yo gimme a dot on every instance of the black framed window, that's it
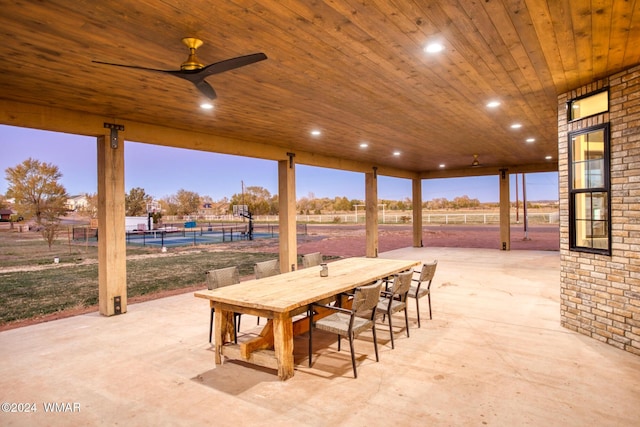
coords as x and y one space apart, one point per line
589 192
588 105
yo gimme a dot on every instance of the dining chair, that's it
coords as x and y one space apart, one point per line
423 286
311 260
394 299
266 269
219 278
349 322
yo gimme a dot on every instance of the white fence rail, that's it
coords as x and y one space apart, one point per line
387 218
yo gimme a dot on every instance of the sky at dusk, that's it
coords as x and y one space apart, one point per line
162 171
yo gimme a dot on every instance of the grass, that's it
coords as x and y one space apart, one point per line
35 292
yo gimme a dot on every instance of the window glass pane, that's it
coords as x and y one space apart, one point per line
588 160
589 106
591 225
595 173
599 206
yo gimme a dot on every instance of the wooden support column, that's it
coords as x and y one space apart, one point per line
505 211
287 222
112 251
417 212
371 213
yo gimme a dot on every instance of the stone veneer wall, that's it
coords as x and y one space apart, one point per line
600 295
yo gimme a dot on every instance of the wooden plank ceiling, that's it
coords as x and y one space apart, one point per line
354 69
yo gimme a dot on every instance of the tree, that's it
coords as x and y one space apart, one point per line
258 199
38 194
169 205
91 208
135 203
34 186
188 202
341 204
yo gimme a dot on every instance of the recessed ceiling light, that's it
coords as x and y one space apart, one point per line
548 158
442 165
434 47
316 132
363 145
396 153
206 106
531 140
493 104
516 126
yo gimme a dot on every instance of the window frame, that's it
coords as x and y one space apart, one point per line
570 103
606 188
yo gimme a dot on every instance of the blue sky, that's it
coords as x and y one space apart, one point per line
162 171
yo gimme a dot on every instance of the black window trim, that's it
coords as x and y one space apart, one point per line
605 189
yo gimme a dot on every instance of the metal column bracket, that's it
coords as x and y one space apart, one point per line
503 173
291 156
114 133
375 172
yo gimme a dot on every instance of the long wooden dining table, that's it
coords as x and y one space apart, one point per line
280 298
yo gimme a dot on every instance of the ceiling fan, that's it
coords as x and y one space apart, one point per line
195 71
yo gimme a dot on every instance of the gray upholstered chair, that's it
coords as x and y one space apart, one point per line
312 259
217 279
349 323
266 269
422 285
394 299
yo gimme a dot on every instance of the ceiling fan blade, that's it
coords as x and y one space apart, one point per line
206 89
230 64
132 66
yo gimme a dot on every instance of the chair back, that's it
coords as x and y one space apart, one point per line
267 268
401 284
312 259
428 271
223 277
366 299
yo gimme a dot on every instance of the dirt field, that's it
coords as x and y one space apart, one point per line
348 240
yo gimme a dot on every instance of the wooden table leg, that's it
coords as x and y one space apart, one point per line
218 335
222 331
283 346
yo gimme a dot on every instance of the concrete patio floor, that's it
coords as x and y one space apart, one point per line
494 354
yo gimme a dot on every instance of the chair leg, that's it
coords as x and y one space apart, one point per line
236 326
406 319
310 335
375 342
211 324
418 309
339 340
391 332
429 296
353 356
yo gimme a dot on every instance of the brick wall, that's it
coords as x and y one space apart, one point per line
600 294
